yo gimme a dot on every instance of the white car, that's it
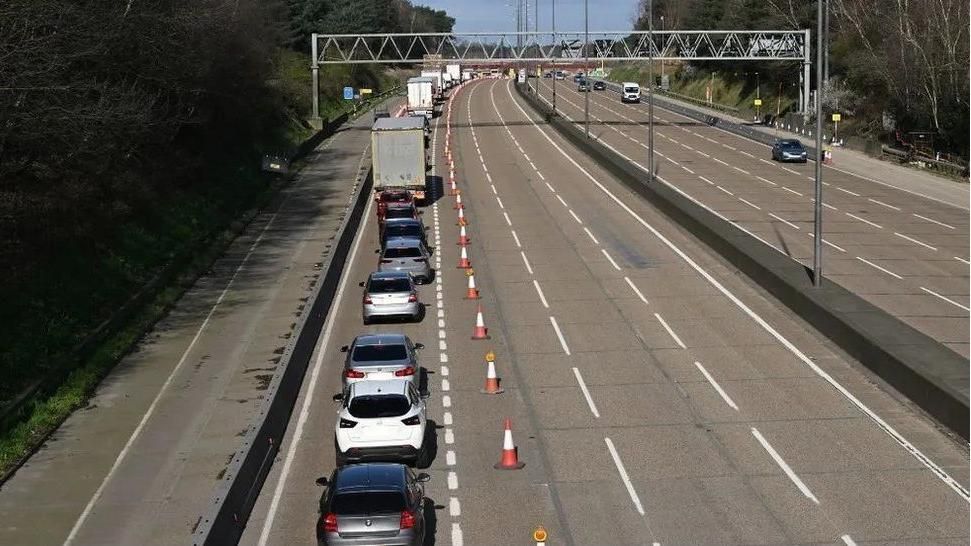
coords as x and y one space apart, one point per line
631 92
381 421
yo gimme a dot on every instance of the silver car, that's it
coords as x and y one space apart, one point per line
373 503
390 294
381 356
408 255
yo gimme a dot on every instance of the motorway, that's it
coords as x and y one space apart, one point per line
901 251
657 396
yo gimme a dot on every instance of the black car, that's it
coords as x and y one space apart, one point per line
378 503
599 85
789 149
583 85
403 227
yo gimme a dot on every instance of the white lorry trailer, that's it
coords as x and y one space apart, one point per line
421 100
436 74
467 74
398 155
454 71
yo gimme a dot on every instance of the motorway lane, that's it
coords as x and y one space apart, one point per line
903 253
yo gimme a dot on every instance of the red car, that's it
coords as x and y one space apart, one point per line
395 197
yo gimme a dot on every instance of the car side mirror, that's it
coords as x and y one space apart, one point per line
344 349
419 346
421 478
321 481
361 284
377 251
338 397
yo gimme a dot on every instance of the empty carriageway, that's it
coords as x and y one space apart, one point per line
901 251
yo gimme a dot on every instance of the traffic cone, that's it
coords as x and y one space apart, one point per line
510 457
464 262
463 238
462 221
454 189
458 201
480 331
492 382
473 292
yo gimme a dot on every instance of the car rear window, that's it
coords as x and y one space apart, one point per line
399 213
389 285
365 503
378 353
402 231
791 144
377 406
409 252
631 89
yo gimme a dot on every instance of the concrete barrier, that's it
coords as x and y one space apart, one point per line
931 375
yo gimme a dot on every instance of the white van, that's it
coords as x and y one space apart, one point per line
631 92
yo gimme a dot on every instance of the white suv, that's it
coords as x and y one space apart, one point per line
381 420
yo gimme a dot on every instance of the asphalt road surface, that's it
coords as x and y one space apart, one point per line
901 251
657 396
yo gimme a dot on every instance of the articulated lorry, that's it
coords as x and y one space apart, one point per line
398 155
436 74
421 100
454 72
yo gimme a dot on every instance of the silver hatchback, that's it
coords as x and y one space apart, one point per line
408 255
390 294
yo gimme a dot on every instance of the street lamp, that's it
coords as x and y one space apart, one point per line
650 90
586 68
662 55
818 205
758 96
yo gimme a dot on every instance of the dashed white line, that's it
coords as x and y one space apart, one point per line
931 220
825 242
562 201
559 335
728 400
446 401
575 217
550 187
741 170
586 393
447 418
453 481
525 261
456 535
749 203
624 477
885 270
960 259
844 190
784 221
499 201
516 238
687 169
791 191
766 180
670 332
635 289
722 162
726 191
864 220
542 297
889 206
790 170
706 180
595 241
449 436
609 259
949 300
911 239
450 458
847 540
541 177
454 508
506 216
784 466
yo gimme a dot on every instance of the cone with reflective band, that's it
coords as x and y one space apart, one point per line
472 293
480 331
454 189
492 382
462 221
458 201
464 262
510 458
463 238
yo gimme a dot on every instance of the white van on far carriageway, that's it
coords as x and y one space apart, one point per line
631 92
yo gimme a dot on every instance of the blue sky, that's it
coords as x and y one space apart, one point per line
499 15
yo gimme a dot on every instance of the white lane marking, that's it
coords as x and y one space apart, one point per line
540 175
489 177
500 202
562 201
442 346
704 154
871 264
635 289
687 169
790 170
493 187
441 323
883 204
559 335
949 300
728 400
706 180
827 205
960 259
450 458
748 154
453 481
624 477
847 540
883 425
525 156
441 313
449 436
444 369
586 393
309 398
911 239
525 261
766 180
847 191
542 297
753 205
508 221
766 161
575 217
931 220
609 259
722 162
784 466
447 418
550 187
729 147
784 221
864 220
825 242
726 191
446 401
454 508
594 239
446 386
456 535
741 170
792 191
687 147
670 331
516 237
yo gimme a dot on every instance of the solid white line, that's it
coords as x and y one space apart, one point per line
949 300
766 180
456 535
506 216
542 297
784 221
559 335
887 271
311 391
914 240
791 191
847 540
624 477
611 260
562 201
883 425
500 202
670 331
575 217
586 393
864 220
753 205
525 261
594 239
728 400
882 203
784 466
635 289
934 221
516 237
847 191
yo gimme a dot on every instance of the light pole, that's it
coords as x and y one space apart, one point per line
553 50
758 96
650 90
586 68
818 205
662 53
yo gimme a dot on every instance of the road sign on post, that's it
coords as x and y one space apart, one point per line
366 91
348 93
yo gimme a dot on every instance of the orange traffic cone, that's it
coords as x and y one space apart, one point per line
454 189
510 457
462 221
473 292
458 201
492 382
480 331
464 262
463 238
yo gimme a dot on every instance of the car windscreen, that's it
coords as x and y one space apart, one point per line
378 406
407 230
378 286
631 89
399 213
409 252
367 502
379 353
790 145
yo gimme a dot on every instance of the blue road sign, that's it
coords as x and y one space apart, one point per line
348 93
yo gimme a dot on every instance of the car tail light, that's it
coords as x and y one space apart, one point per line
412 298
330 522
411 421
407 520
353 374
347 423
385 261
421 260
367 299
410 370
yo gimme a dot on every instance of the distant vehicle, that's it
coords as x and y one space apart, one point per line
421 101
599 85
577 77
438 87
789 149
408 255
494 71
547 74
398 155
403 227
454 71
467 74
377 503
387 197
560 75
583 85
390 295
631 92
380 357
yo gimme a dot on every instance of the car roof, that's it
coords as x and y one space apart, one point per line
369 477
390 275
380 339
789 141
383 386
630 84
414 221
402 242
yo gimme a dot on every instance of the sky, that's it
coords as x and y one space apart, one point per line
500 15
